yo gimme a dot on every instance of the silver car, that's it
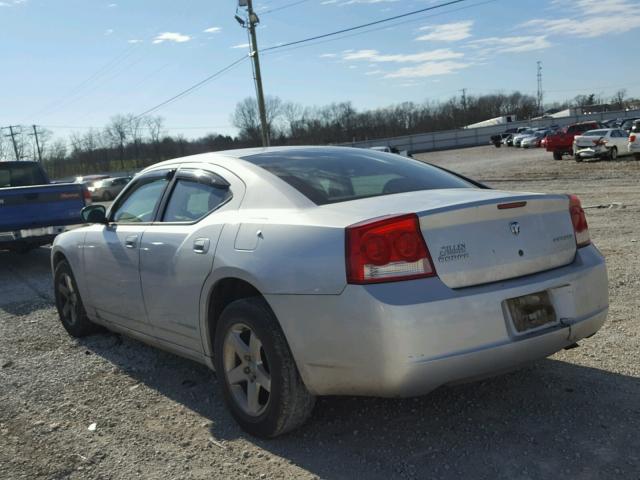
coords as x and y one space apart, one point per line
107 189
305 271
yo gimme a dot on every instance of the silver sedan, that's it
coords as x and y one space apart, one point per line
305 271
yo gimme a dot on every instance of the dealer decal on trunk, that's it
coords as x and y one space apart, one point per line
450 253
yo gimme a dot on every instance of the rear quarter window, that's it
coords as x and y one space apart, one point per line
340 175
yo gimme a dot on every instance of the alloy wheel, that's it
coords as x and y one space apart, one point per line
246 369
68 299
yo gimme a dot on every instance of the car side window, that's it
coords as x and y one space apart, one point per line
191 200
141 203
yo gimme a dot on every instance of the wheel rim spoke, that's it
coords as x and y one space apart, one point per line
263 378
253 404
237 375
254 347
241 348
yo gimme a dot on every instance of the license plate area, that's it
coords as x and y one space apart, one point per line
532 312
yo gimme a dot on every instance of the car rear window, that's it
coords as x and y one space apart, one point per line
340 175
14 175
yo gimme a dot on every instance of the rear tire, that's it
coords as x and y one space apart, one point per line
557 156
69 304
613 153
258 375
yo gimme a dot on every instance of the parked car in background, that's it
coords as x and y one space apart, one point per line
603 143
613 123
304 271
517 139
88 179
561 142
390 149
633 146
33 211
627 124
533 140
498 140
107 189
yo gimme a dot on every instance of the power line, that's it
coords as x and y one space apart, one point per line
193 87
383 27
288 5
364 25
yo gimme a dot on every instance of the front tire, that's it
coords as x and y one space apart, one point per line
258 375
557 156
69 304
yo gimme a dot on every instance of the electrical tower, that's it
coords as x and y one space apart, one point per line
540 106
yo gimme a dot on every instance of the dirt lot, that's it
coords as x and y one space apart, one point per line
574 415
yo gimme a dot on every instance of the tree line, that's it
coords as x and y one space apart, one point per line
129 143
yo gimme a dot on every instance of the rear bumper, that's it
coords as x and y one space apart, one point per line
408 338
33 236
590 153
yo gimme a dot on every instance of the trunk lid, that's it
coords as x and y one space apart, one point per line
485 241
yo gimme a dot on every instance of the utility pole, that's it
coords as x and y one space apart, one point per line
252 21
12 134
540 107
35 134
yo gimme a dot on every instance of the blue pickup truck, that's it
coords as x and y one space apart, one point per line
33 210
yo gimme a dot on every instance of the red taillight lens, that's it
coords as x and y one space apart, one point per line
632 138
387 250
579 220
600 142
87 196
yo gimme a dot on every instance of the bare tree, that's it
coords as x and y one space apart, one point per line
155 130
118 133
618 99
246 117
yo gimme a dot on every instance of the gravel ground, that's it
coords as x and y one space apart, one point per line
575 415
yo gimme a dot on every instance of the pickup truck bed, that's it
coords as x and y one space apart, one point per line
32 211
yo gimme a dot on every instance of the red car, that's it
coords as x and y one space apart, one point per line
561 143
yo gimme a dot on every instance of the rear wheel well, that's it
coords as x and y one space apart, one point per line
57 258
225 292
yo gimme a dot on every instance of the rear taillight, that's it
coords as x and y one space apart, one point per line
632 138
87 196
387 250
600 142
579 220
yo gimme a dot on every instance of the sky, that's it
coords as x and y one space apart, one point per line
70 65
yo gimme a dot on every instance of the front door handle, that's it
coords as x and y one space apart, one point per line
201 245
131 241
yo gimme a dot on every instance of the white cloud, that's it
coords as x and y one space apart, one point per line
241 45
375 56
212 30
171 37
112 5
11 3
352 2
108 31
134 40
589 19
527 43
328 55
428 69
448 32
373 72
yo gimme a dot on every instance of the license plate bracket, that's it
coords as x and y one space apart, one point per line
531 312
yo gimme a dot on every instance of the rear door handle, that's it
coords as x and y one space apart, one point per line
131 241
201 245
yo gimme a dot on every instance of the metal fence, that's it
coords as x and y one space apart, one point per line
473 137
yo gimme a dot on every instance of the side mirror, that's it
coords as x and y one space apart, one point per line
94 214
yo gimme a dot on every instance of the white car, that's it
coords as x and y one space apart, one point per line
303 271
517 139
602 143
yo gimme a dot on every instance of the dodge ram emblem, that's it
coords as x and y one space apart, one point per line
515 228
